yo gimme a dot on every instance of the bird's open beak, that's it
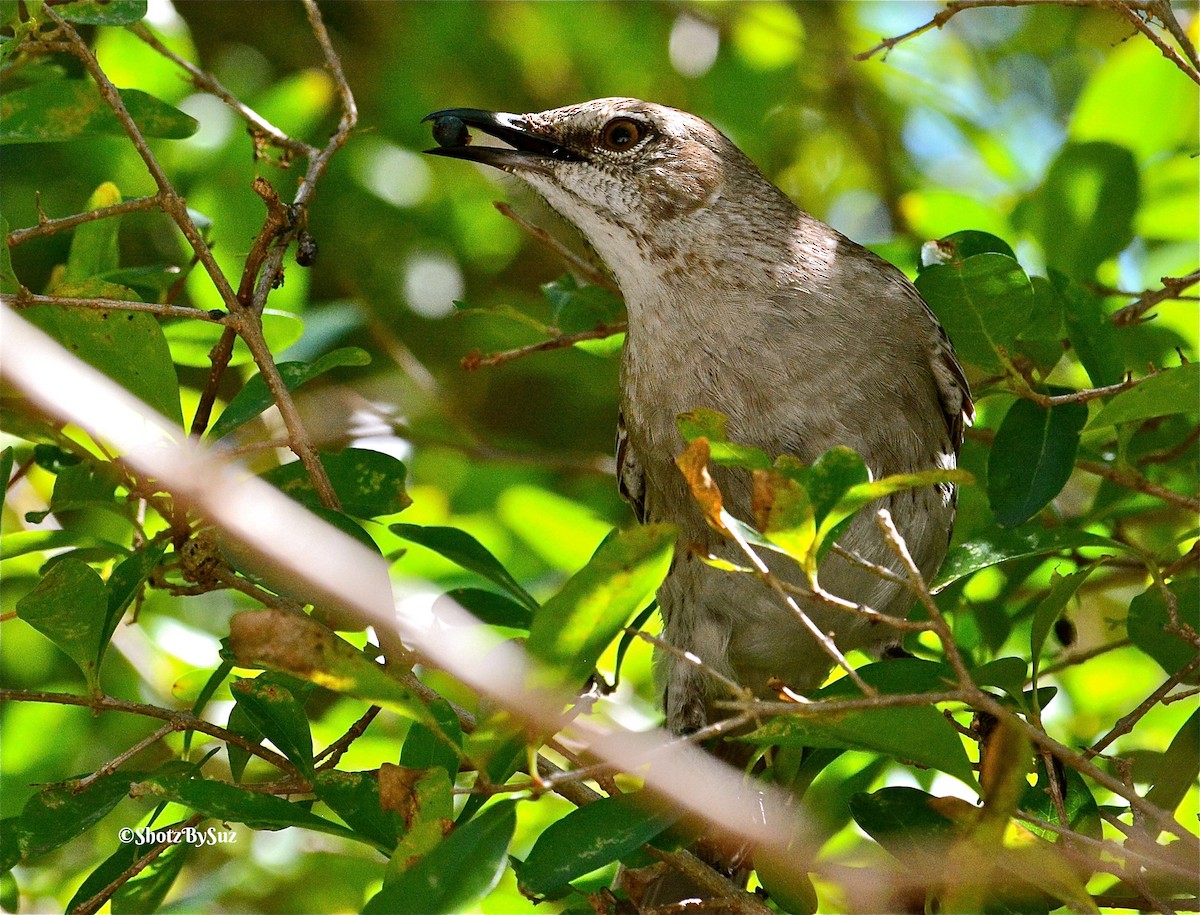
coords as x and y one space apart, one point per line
451 130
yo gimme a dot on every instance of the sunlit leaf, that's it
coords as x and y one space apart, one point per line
573 627
984 303
587 838
455 874
1174 390
69 607
999 546
917 734
460 547
103 12
48 112
94 244
127 346
367 483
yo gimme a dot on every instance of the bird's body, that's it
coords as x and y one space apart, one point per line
742 303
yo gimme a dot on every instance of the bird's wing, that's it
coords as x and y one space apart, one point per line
631 481
953 390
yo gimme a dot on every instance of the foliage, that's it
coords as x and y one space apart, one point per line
158 676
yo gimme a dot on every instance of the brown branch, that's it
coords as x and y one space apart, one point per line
475 359
27 299
1172 286
95 903
1127 722
249 328
181 720
955 7
1131 479
206 82
47 226
1023 389
1139 23
586 270
335 750
1166 15
115 763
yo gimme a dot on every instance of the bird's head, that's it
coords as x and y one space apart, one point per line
620 169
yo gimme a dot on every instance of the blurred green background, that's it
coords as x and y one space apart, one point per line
956 129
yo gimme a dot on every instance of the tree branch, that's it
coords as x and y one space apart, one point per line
48 226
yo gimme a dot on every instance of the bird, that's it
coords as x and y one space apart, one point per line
742 303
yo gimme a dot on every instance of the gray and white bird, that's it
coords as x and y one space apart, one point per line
743 303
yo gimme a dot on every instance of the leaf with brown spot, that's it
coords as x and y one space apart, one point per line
693 463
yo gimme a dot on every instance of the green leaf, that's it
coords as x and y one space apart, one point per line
905 822
1175 390
302 647
460 547
984 303
588 838
1178 768
958 246
6 466
427 747
427 808
1091 331
56 815
490 607
232 804
23 542
145 892
367 483
354 796
1148 619
69 606
108 871
863 494
1032 458
127 346
917 734
254 397
711 425
280 715
69 109
1083 815
576 308
1083 213
457 873
94 244
123 586
1042 339
1050 607
784 514
573 627
999 546
103 12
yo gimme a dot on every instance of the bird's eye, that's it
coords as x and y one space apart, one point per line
620 134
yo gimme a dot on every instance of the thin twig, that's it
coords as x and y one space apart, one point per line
1172 286
183 721
475 359
95 903
586 270
115 763
27 299
1125 9
1127 722
335 750
205 81
47 226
